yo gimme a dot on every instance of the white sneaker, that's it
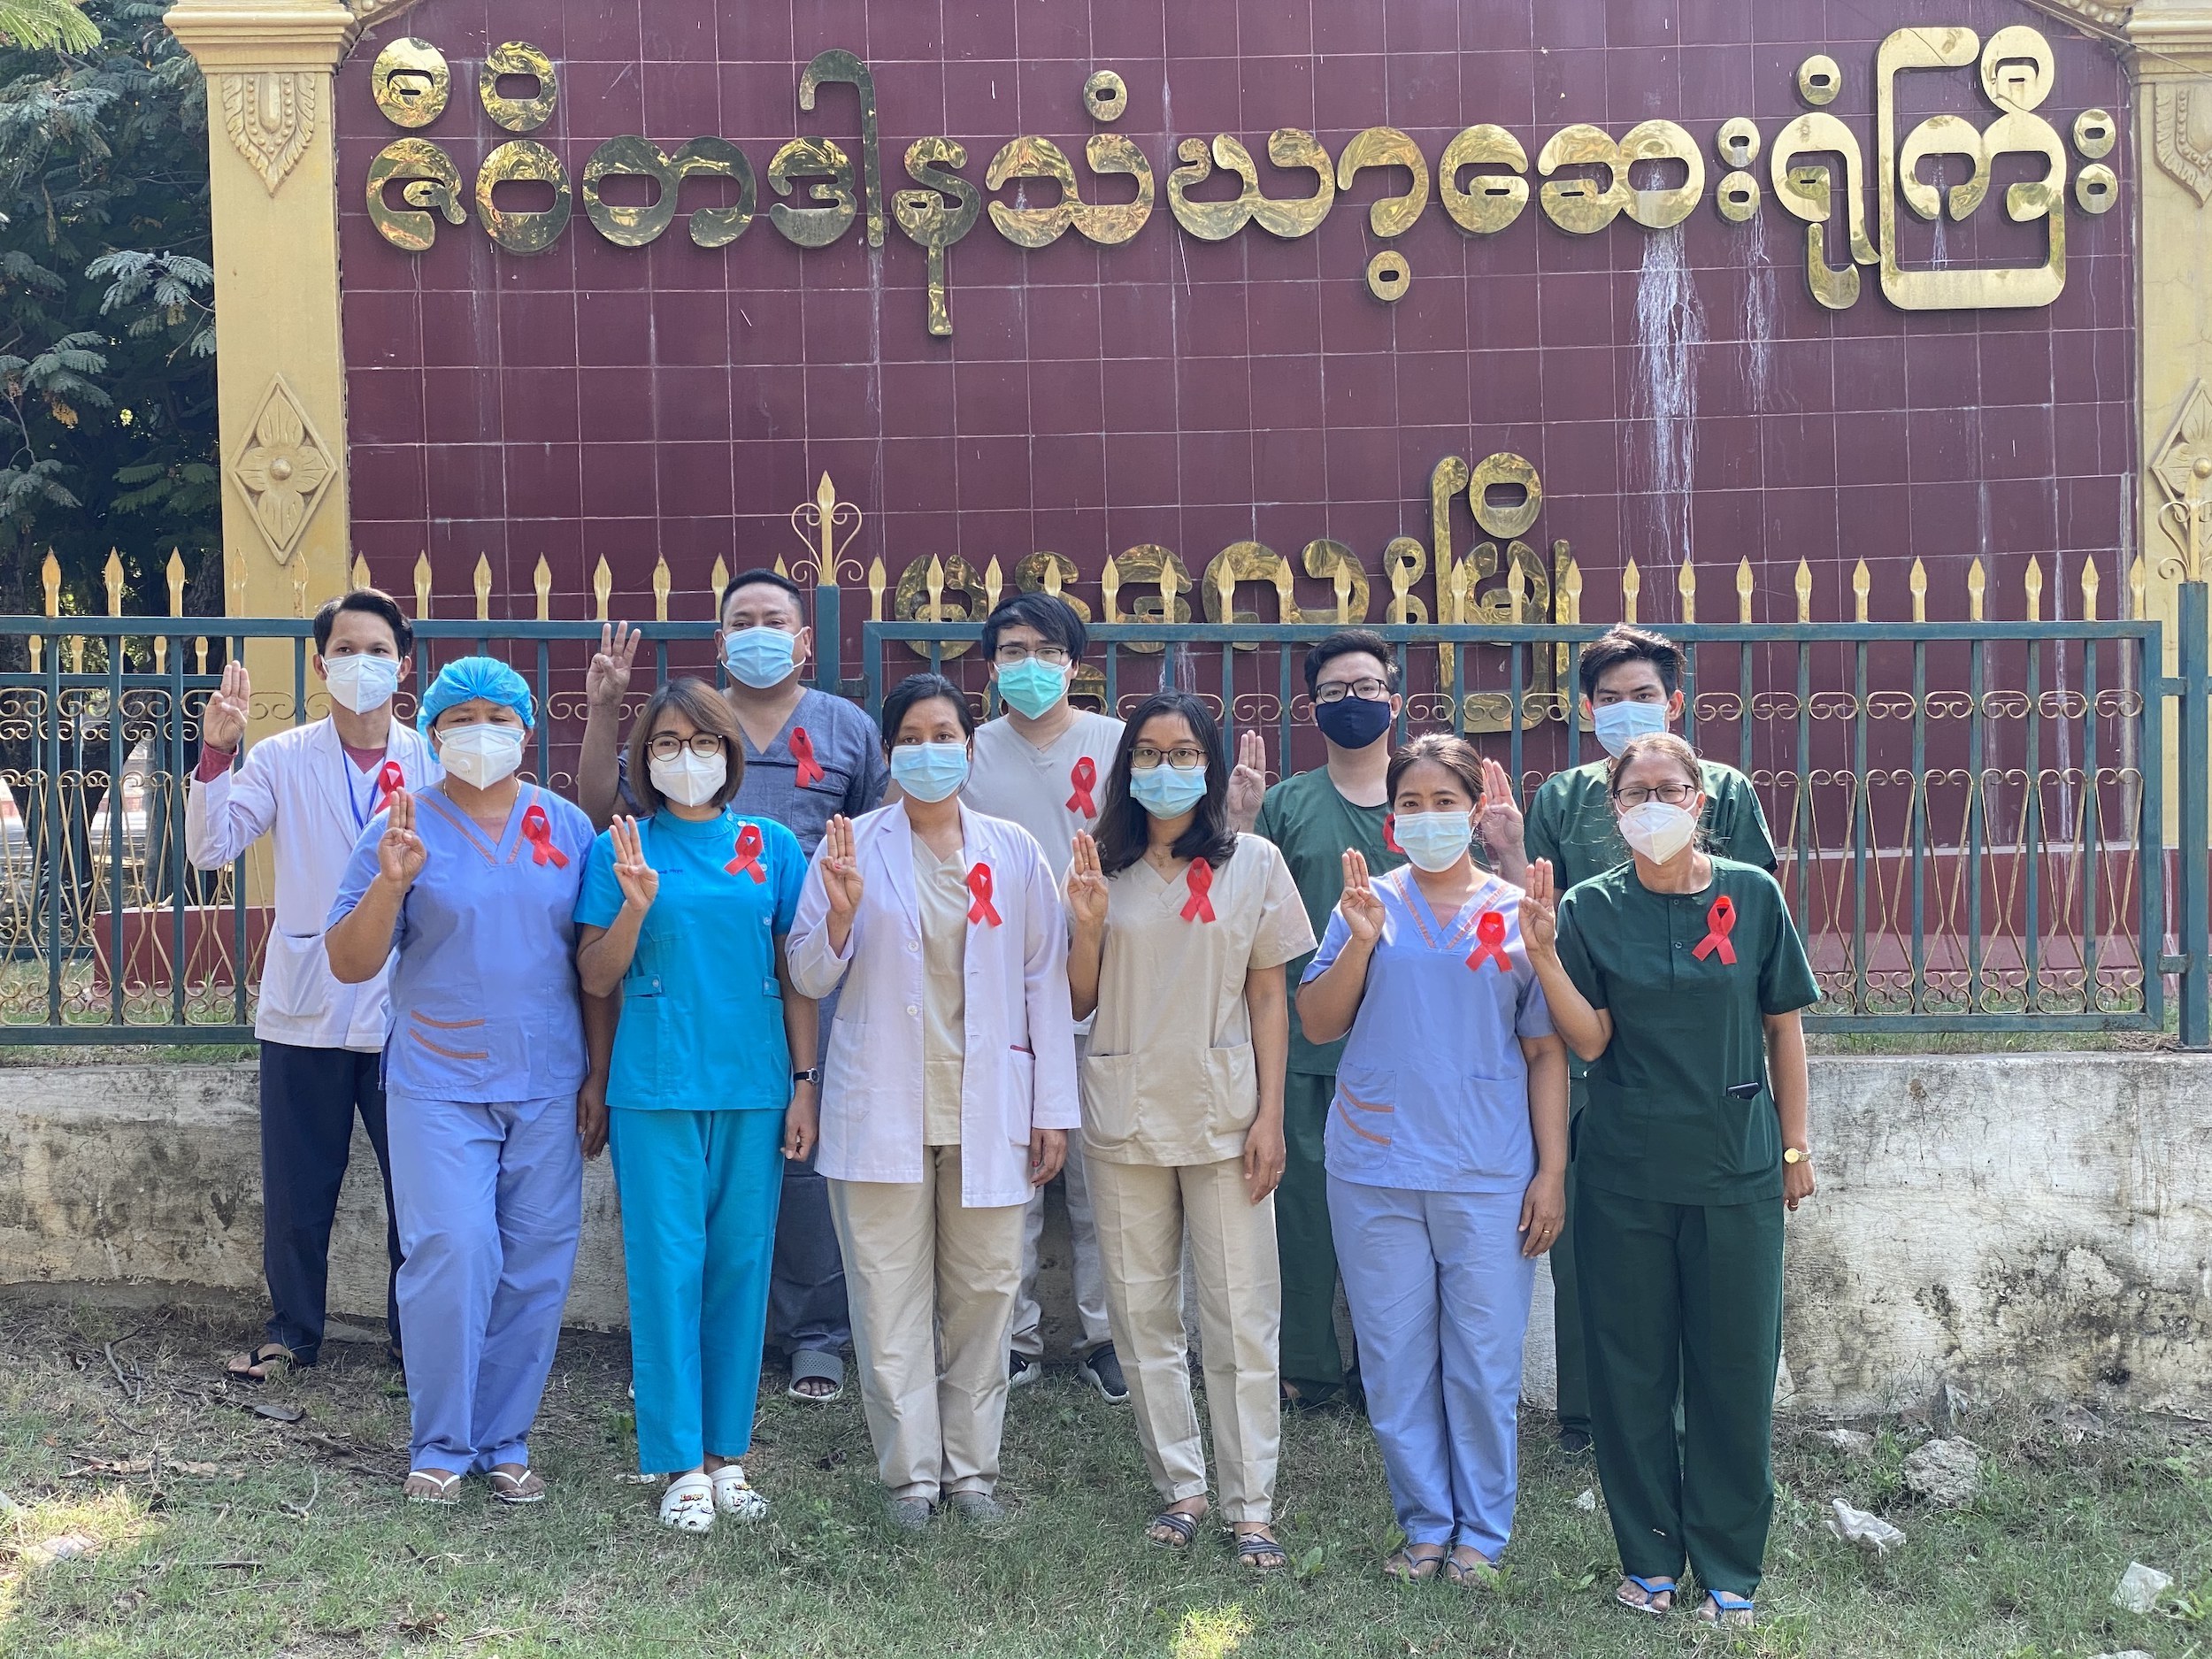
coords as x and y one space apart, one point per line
1021 1369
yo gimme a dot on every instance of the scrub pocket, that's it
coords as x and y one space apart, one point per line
1110 1098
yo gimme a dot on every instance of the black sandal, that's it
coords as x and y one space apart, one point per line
1183 1526
254 1367
1259 1554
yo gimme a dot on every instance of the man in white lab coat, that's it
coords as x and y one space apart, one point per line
313 789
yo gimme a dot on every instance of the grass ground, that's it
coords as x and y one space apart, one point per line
217 1532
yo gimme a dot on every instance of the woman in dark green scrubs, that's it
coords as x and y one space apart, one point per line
1679 977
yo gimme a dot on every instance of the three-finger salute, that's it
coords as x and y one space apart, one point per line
1540 910
840 868
640 882
1086 884
223 721
400 853
1361 910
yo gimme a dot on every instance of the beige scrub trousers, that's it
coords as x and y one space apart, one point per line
1170 1085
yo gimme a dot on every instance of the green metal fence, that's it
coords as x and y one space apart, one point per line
1990 825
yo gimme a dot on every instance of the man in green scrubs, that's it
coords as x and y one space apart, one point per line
1313 818
1632 683
1681 1205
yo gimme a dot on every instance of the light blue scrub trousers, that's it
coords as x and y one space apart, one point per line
1439 1294
699 1196
490 1199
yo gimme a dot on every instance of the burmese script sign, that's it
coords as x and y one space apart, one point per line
1373 304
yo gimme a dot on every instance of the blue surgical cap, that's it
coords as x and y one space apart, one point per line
473 677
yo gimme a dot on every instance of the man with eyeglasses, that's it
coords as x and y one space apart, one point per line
1632 684
810 756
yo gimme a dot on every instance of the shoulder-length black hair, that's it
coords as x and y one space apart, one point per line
1123 832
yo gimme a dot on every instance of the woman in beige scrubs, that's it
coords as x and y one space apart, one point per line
1181 930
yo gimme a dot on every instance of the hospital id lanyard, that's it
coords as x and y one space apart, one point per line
383 781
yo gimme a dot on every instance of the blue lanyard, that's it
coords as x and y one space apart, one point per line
361 807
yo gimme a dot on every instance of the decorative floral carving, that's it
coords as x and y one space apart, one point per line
283 469
2176 108
2107 18
270 115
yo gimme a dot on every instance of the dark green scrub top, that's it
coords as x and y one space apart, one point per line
1661 1123
1313 826
1570 822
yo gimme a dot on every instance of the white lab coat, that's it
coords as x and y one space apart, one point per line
1020 1046
293 784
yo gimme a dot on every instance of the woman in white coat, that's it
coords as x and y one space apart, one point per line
949 1090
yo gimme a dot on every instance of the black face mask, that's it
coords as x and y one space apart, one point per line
1353 722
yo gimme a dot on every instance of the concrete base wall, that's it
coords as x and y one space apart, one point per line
2029 1225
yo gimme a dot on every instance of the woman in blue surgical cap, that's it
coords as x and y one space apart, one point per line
469 887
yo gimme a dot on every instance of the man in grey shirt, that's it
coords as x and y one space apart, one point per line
808 756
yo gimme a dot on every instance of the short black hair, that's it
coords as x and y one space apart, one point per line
922 689
1123 835
760 578
1051 616
371 602
1346 642
1625 644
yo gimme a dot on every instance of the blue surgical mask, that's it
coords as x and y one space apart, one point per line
1165 792
929 772
1031 687
1616 723
1435 840
760 657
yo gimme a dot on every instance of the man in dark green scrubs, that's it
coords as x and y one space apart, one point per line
1632 683
1313 817
1682 1193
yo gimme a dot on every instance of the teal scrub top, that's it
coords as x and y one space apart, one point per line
1681 1111
702 1027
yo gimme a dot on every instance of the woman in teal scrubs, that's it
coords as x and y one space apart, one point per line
684 912
1680 978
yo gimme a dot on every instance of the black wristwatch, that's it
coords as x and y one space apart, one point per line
812 1074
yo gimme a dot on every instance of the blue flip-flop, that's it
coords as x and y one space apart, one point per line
1650 1587
1721 1607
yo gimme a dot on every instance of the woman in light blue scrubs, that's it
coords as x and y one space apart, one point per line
1447 1155
685 912
472 883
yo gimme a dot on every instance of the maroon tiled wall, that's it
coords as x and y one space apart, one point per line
595 400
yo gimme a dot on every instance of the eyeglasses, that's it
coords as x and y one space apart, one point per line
1672 794
667 745
1181 759
1011 655
1366 690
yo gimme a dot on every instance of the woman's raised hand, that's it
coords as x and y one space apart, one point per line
223 721
640 882
841 869
1361 910
400 853
1086 884
1498 823
1540 910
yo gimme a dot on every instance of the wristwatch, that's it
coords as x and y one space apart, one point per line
812 1074
1796 1155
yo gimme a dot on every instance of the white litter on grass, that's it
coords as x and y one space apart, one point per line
66 1546
1869 1532
2139 1588
1587 1502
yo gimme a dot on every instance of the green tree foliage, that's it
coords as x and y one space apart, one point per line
107 324
48 23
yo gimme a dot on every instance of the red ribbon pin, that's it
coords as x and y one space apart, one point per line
979 888
747 863
537 829
803 751
1084 776
1490 942
390 781
1200 879
1721 921
1390 834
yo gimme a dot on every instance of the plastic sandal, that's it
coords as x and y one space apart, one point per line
733 1496
687 1505
245 1367
814 1364
1409 1567
442 1483
1183 1526
1722 1607
1653 1589
517 1483
1260 1554
1453 1571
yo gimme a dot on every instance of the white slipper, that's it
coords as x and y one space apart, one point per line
734 1497
687 1505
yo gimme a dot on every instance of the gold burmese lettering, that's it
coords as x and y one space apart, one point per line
1819 167
427 178
1247 562
934 218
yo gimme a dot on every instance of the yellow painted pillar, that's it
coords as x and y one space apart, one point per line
280 379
